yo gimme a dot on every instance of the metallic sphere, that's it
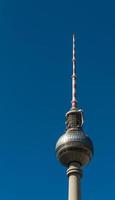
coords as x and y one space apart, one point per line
74 146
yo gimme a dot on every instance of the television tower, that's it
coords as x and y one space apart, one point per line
74 149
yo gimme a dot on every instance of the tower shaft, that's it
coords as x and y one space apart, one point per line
74 174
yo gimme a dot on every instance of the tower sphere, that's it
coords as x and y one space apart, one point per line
74 146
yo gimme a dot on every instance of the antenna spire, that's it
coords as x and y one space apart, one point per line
74 101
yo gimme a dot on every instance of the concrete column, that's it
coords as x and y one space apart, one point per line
74 173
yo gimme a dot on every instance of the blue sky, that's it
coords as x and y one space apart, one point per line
35 94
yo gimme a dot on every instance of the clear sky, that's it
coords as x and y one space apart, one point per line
35 94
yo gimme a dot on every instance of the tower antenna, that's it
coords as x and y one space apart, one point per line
74 101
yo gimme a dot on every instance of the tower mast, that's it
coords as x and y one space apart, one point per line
74 101
74 149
